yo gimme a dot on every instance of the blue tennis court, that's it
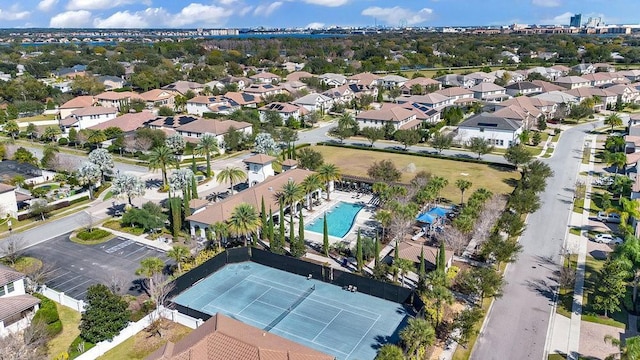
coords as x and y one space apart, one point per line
348 325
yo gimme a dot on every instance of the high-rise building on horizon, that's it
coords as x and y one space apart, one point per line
576 20
594 22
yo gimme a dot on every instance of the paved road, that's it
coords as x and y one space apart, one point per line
517 326
320 134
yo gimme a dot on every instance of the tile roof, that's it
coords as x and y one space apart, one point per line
94 110
78 102
633 158
454 91
365 78
183 87
432 98
486 86
114 95
523 85
571 80
585 92
261 159
395 114
12 305
221 211
6 188
127 122
224 338
197 203
8 275
411 251
241 98
491 121
212 126
547 86
297 75
157 94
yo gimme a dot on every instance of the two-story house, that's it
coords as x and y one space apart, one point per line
183 87
285 110
572 82
74 104
399 117
159 97
433 100
213 104
115 99
365 78
489 92
501 132
458 95
391 81
16 306
265 78
342 94
333 80
87 117
262 90
315 102
423 84
525 88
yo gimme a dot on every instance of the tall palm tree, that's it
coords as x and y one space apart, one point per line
404 266
179 254
384 217
149 267
244 221
329 173
617 160
159 158
438 183
206 146
463 185
613 120
629 351
310 184
220 230
629 253
483 194
417 335
290 193
232 175
390 352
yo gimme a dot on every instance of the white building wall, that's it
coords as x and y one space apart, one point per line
500 139
197 109
8 204
259 173
85 122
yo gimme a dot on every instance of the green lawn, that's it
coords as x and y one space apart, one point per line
70 320
565 295
617 319
115 225
36 118
578 205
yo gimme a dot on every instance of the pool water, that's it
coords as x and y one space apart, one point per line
340 219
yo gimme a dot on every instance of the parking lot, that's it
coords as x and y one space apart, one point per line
75 267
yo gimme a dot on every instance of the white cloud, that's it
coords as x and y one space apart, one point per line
13 13
205 15
226 2
330 3
46 5
266 10
562 19
71 19
547 3
101 4
315 25
397 15
122 19
245 10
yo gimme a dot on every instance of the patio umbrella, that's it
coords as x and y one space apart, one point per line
438 211
426 218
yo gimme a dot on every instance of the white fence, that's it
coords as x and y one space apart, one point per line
62 299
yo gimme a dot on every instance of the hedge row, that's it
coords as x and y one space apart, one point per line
48 314
52 207
94 234
435 156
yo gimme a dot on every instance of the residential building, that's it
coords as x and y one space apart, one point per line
533 109
128 123
265 78
342 94
262 90
224 338
299 76
575 20
525 88
211 104
599 79
159 97
563 101
547 86
604 67
501 132
399 117
315 102
111 82
489 92
632 75
74 104
456 80
285 110
243 99
115 99
293 87
332 80
626 94
87 117
16 306
433 100
260 168
8 201
424 113
426 85
584 69
195 128
458 95
572 82
606 97
365 78
511 76
391 81
183 87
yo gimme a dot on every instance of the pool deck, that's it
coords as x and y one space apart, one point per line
364 219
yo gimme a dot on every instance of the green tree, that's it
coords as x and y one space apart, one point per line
501 250
281 231
384 170
149 267
180 254
221 231
310 184
611 287
613 120
23 155
329 173
49 155
417 335
105 315
290 193
298 247
309 159
244 221
441 142
463 185
629 351
479 146
206 146
359 255
50 133
390 352
31 130
372 134
617 160
325 237
11 127
159 158
407 137
176 216
628 253
231 174
517 155
465 322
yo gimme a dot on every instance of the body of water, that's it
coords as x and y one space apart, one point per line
340 219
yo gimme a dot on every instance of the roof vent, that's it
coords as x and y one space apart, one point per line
270 188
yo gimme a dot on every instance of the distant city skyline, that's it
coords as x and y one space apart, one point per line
307 13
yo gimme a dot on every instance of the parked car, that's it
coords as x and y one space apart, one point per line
607 239
609 217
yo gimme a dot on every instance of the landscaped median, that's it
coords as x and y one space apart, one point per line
91 236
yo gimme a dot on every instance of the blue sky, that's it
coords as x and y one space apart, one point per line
305 13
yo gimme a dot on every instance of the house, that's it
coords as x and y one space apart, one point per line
239 82
267 190
533 108
456 80
299 76
500 131
599 79
74 104
128 123
213 85
315 102
243 99
259 167
292 66
115 99
564 70
424 113
159 97
511 76
63 86
183 87
426 85
458 95
391 81
196 129
572 82
604 67
265 78
224 338
87 117
626 94
584 69
410 250
548 73
489 92
365 78
8 201
399 117
433 100
111 82
480 77
72 72
16 306
212 104
342 94
563 101
606 97
262 90
525 88
285 110
332 80
632 75
547 86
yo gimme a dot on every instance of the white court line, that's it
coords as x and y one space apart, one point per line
362 337
256 299
293 312
325 327
214 299
70 289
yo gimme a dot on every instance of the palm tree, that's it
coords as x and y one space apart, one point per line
617 160
290 193
232 175
438 183
404 266
159 158
417 335
329 173
463 185
384 218
613 120
149 267
206 146
179 254
310 184
629 351
220 230
244 221
629 253
12 128
390 352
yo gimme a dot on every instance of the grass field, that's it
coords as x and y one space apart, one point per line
356 162
70 320
36 118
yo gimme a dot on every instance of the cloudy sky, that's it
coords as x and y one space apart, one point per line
305 13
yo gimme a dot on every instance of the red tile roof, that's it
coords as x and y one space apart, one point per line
127 122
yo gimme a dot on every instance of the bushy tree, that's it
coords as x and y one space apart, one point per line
180 179
104 160
175 143
479 146
385 171
265 144
441 142
89 175
407 137
127 185
309 159
105 315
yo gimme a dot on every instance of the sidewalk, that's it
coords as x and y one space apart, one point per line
157 244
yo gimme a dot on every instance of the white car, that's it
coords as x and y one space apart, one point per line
607 239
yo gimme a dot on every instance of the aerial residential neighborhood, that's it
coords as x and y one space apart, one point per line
390 192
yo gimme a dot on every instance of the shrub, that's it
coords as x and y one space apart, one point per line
95 234
48 314
80 199
54 328
63 141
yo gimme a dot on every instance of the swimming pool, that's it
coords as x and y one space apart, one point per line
340 219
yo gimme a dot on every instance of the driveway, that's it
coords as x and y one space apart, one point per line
75 267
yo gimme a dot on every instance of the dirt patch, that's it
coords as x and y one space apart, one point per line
592 343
